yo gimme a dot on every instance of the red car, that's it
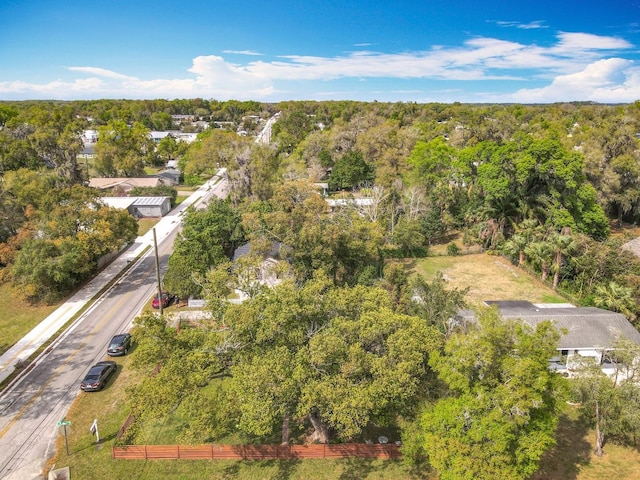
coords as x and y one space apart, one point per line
166 299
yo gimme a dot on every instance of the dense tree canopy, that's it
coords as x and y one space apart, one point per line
500 412
65 233
208 238
335 359
123 150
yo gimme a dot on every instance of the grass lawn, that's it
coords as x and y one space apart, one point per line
487 277
146 224
573 458
186 190
18 317
181 198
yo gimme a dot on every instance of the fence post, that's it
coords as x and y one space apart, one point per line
145 452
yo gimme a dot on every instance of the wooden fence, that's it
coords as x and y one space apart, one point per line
255 452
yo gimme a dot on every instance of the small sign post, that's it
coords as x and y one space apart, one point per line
94 430
63 423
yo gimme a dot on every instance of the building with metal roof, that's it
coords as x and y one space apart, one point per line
585 331
141 207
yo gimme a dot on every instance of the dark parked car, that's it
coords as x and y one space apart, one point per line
119 345
166 299
98 376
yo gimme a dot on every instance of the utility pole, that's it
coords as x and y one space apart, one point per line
155 247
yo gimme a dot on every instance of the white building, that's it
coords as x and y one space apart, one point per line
586 331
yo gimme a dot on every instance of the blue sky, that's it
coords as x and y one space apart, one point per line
469 51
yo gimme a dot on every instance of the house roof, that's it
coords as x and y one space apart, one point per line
103 183
583 327
170 173
186 136
159 135
245 249
126 202
342 202
121 203
151 201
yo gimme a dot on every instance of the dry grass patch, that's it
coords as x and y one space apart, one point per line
619 463
488 277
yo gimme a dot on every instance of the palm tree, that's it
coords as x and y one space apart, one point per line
563 244
516 246
541 256
530 229
615 297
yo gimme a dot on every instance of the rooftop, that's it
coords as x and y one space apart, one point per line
582 327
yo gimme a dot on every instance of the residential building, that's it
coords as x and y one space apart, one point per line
126 184
141 207
585 331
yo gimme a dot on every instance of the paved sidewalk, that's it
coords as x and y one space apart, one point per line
25 347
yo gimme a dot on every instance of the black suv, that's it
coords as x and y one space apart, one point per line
98 376
119 345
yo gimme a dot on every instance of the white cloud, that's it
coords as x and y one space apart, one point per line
523 26
575 68
614 80
80 88
242 52
571 44
101 72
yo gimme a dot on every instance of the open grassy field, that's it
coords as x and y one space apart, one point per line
488 277
17 318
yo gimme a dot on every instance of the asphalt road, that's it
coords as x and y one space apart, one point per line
31 409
